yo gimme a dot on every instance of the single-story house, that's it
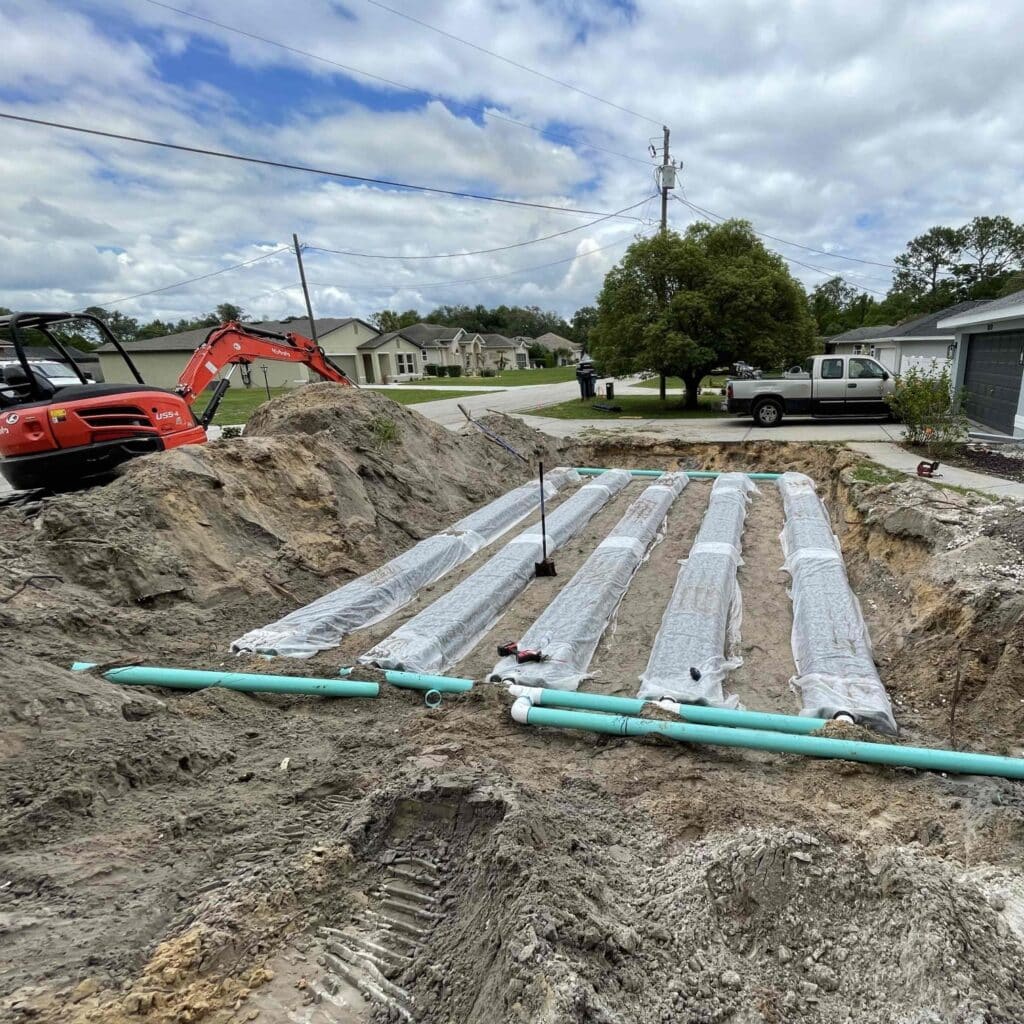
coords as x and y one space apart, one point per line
391 357
555 343
161 360
988 362
455 346
916 343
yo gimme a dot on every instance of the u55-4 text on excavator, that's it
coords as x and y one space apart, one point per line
59 437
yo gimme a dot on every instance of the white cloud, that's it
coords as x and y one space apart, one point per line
850 128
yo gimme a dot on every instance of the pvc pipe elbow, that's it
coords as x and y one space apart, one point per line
671 706
533 694
521 710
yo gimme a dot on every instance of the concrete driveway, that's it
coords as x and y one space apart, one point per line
520 401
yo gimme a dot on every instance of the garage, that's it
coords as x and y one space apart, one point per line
992 378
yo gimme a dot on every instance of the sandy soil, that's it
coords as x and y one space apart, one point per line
218 857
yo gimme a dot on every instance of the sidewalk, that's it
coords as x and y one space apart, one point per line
434 387
893 456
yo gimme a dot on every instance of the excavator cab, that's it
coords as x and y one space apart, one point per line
59 434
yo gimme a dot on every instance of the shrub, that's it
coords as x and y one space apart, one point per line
924 402
431 369
385 431
488 372
454 371
231 432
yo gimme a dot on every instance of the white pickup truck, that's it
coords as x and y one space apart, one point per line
836 385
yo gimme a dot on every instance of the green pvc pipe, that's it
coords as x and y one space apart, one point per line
693 474
419 681
191 679
729 717
923 758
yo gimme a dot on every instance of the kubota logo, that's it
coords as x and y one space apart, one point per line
13 418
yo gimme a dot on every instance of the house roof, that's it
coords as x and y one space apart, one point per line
863 333
187 341
47 352
497 341
430 335
1006 308
928 326
551 341
383 339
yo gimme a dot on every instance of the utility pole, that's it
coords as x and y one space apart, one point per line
305 290
664 179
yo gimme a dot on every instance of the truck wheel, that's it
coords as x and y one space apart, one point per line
768 413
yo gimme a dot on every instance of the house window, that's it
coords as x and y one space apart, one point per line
406 362
863 350
522 360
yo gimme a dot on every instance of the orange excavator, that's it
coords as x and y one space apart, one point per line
56 436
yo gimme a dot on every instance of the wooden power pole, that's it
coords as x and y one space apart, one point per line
305 289
664 225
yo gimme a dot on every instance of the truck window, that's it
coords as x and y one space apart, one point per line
808 366
866 369
831 369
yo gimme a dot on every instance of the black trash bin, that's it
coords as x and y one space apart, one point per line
609 390
586 378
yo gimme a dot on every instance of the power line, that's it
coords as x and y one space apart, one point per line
193 280
788 259
798 245
479 108
477 252
305 169
514 63
471 280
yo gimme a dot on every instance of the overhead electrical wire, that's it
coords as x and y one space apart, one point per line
788 259
193 280
476 107
471 280
798 245
476 252
308 170
514 63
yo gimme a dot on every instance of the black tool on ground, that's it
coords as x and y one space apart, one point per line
508 648
605 407
545 567
695 674
487 432
522 657
927 469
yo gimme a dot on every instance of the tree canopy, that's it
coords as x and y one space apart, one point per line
682 305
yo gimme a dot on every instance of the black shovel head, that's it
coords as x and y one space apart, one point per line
544 568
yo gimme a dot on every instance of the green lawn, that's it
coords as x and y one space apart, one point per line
238 404
633 406
676 384
507 378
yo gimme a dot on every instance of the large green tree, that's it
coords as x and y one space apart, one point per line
683 305
388 320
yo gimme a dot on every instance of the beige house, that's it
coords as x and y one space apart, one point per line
556 343
472 352
161 360
390 357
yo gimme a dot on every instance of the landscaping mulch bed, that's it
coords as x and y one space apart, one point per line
1006 461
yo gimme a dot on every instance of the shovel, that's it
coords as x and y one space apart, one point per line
545 567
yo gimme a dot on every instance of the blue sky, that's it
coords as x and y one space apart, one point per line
847 128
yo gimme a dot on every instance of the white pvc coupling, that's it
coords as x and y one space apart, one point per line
531 693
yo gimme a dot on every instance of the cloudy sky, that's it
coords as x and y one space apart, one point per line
845 126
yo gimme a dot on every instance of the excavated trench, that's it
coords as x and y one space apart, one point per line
214 856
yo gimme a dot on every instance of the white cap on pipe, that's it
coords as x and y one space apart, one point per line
521 710
671 706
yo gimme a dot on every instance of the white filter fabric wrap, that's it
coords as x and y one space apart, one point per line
568 631
324 623
835 668
445 631
701 625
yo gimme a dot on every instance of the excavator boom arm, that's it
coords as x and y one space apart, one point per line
236 343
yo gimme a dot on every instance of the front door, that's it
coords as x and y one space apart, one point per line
865 379
368 368
830 388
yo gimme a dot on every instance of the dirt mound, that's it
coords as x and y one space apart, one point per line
328 483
